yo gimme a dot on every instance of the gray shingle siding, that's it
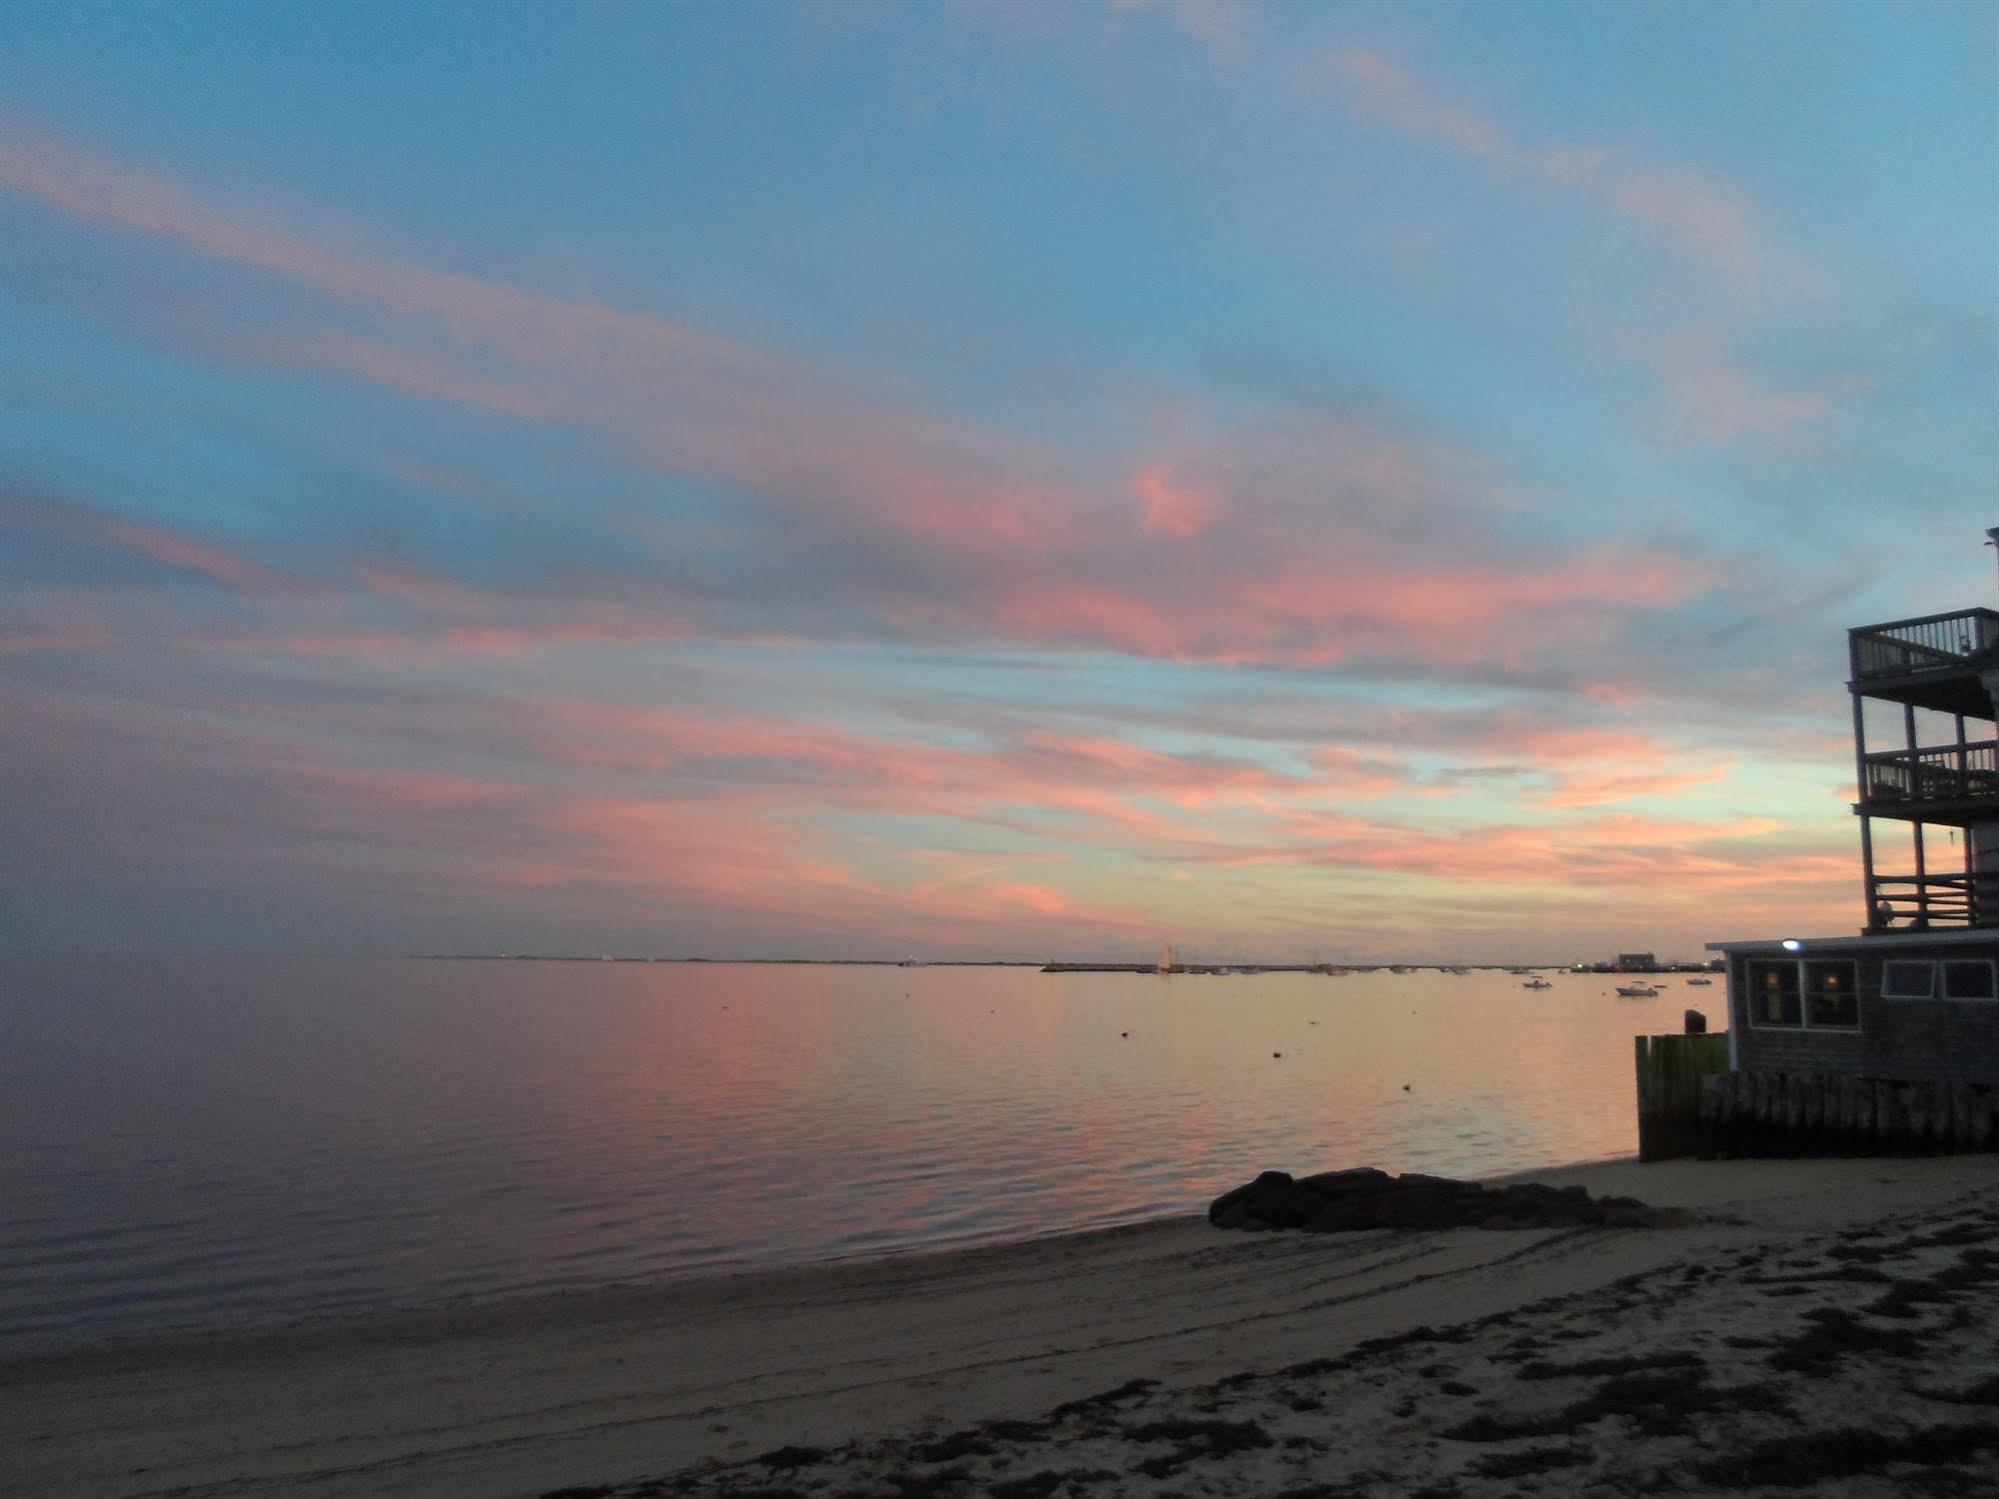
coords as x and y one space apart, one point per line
1899 1040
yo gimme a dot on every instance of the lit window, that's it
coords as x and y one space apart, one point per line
1967 978
1829 994
1903 978
1773 994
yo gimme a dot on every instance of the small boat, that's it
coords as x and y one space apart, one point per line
1699 983
1537 984
1637 991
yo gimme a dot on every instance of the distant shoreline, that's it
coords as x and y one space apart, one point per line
1063 966
534 957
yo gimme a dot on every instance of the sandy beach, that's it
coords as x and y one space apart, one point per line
1822 1324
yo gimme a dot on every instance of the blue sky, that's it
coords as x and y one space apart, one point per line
981 478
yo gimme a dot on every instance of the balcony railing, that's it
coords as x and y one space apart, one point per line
1908 902
1947 773
1936 642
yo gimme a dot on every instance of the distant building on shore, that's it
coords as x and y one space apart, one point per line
1914 997
1637 962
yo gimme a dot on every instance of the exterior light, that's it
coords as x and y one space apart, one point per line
1792 944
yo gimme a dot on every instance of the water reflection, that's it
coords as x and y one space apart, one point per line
227 1142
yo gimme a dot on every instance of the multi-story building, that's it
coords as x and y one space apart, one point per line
1913 998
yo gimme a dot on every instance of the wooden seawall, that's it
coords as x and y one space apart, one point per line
1671 1071
1831 1113
1689 1103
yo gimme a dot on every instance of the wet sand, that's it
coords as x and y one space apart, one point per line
1826 1325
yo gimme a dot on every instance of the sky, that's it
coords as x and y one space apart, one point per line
1028 480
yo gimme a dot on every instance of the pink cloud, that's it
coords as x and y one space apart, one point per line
810 437
1105 782
1346 606
1604 787
400 789
1718 400
1039 899
1219 26
422 590
1588 766
1391 94
439 616
1615 694
1672 859
589 808
1121 791
1350 773
190 556
1343 542
409 371
1709 221
62 629
723 863
390 648
1706 219
1173 507
168 548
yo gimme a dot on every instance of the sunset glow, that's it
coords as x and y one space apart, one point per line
979 480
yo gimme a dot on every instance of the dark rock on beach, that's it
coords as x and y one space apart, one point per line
1365 1198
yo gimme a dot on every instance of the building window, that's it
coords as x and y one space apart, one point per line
1967 978
1904 978
1773 994
1809 993
1830 999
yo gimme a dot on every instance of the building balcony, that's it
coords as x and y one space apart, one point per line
1935 661
1931 902
1957 784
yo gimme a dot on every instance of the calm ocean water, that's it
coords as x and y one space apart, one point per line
192 1144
